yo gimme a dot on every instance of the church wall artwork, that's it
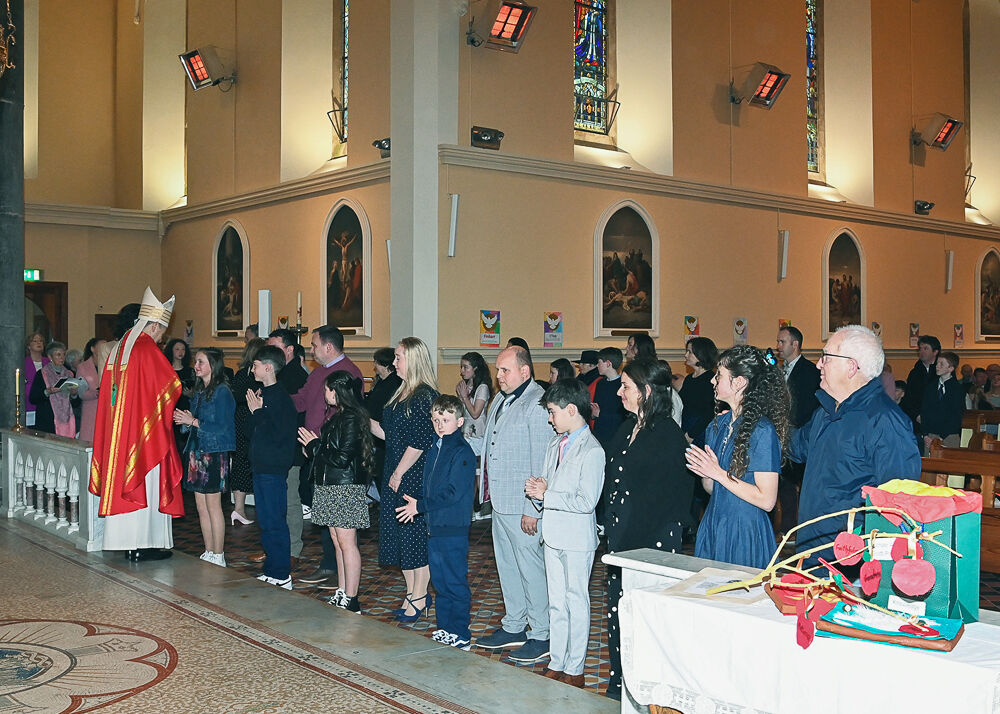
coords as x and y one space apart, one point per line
626 271
347 269
229 285
843 280
988 296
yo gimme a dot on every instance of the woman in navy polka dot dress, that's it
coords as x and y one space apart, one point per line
408 433
647 485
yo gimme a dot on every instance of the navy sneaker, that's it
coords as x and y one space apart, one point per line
501 638
531 651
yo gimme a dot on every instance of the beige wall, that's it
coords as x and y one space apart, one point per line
128 107
368 100
105 268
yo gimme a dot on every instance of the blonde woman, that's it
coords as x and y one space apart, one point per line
408 433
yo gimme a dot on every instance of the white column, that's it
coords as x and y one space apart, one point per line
306 80
164 35
984 106
424 113
645 80
847 88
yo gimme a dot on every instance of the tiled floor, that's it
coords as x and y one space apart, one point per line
382 589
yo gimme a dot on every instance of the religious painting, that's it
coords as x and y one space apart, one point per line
626 271
230 291
347 269
988 296
843 299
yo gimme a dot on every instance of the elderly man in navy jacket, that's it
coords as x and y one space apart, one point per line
858 437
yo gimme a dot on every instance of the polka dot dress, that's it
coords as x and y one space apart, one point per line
406 424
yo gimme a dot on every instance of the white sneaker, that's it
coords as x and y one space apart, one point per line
453 640
440 635
218 559
307 512
338 599
207 555
285 584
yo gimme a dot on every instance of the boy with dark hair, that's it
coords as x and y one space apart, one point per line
608 410
449 483
273 425
568 492
943 404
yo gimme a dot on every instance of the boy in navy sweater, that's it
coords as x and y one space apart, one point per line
449 483
273 434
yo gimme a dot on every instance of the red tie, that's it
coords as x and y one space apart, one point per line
562 447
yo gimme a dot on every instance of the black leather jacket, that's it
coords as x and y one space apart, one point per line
337 453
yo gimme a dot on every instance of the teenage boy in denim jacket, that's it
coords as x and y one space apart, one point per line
449 484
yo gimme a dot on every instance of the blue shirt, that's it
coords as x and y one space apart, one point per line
866 441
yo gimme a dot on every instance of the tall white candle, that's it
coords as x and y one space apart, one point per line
299 304
17 385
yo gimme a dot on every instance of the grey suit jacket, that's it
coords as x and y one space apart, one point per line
514 449
574 487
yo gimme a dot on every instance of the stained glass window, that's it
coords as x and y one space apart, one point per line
813 98
590 78
343 74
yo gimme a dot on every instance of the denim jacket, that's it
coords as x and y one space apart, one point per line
216 430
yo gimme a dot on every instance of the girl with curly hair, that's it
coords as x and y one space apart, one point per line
741 460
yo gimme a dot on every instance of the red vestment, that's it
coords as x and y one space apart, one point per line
135 433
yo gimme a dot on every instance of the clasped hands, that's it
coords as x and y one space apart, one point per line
254 400
183 417
704 462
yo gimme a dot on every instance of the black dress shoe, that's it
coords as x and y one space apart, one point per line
149 554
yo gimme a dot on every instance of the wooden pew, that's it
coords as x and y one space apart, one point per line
981 470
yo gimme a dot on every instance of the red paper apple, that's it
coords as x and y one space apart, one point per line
901 549
790 596
848 548
871 577
919 630
805 631
913 577
819 608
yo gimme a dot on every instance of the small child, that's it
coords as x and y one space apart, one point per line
273 425
609 413
449 483
943 404
569 490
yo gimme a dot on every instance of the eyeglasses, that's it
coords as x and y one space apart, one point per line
826 355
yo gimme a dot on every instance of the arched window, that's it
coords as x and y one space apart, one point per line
814 87
593 67
343 36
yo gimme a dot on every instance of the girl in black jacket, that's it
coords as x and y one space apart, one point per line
341 468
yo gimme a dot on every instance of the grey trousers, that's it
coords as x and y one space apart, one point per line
293 513
568 576
521 567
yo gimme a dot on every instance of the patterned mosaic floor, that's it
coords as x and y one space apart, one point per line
382 589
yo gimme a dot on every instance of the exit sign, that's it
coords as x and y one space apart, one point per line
32 274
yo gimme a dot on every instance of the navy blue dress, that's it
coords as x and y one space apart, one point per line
734 531
406 424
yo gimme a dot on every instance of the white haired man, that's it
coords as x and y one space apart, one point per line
858 437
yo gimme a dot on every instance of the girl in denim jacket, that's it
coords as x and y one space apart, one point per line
212 435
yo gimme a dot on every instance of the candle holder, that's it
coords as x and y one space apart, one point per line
18 427
299 330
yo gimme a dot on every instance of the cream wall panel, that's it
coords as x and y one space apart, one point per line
369 81
983 128
258 94
128 107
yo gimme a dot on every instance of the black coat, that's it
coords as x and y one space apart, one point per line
337 455
802 385
659 487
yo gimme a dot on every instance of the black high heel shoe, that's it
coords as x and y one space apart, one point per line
428 601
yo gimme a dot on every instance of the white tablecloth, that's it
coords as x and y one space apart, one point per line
705 657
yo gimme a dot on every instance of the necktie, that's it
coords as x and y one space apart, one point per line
562 447
940 390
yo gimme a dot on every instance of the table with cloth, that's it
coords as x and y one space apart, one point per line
705 656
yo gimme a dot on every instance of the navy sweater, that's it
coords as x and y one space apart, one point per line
273 432
449 486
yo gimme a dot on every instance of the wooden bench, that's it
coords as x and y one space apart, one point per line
981 469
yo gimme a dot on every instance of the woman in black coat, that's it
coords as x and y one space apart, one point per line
646 483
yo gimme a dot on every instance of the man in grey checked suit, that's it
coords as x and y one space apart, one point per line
517 435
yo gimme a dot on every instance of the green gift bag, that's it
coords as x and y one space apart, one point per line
935 508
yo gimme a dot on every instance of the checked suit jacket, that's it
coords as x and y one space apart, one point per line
514 450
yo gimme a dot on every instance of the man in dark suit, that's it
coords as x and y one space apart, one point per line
802 377
928 349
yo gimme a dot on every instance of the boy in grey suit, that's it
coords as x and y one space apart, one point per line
568 493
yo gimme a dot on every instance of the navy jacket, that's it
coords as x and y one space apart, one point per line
867 441
273 433
942 415
216 430
449 485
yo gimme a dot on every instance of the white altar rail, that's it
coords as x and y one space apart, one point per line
45 485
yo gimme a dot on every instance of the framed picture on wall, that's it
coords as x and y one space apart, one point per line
988 296
347 257
230 287
843 282
626 271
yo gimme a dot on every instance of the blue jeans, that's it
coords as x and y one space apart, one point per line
270 499
449 560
